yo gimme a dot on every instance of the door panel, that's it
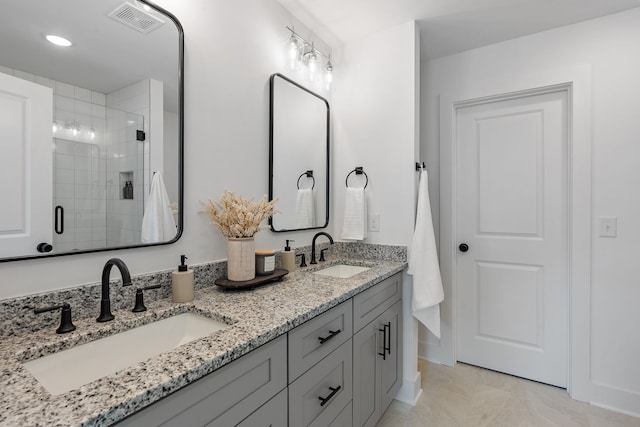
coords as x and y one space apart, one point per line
26 117
511 209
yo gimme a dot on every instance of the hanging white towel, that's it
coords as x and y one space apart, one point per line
305 210
423 264
158 224
355 214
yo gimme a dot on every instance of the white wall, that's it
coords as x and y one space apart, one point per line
609 46
231 49
376 126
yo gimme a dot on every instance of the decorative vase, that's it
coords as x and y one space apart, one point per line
241 259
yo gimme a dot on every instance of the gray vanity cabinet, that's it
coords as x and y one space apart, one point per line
338 369
377 350
226 397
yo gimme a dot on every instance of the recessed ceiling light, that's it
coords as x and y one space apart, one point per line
57 40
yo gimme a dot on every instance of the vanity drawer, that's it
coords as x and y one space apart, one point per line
318 396
374 301
311 342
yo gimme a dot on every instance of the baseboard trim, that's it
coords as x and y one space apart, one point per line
410 390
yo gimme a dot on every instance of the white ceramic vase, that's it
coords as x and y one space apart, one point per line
241 259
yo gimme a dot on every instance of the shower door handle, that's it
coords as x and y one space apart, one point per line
59 220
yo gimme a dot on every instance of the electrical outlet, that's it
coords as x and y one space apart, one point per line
608 226
374 222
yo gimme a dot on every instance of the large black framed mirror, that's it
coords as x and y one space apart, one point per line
92 134
298 156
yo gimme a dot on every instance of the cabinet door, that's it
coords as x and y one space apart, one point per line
224 397
377 366
367 343
391 365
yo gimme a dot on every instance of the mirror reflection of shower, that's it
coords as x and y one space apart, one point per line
99 170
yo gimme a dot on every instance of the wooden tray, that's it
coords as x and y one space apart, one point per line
277 275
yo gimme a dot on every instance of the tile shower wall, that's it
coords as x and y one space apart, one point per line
79 165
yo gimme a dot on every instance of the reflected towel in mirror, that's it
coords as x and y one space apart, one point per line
305 208
158 223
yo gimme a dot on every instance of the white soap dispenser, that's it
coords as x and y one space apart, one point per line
182 282
288 258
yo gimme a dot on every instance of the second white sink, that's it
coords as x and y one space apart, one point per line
69 369
342 271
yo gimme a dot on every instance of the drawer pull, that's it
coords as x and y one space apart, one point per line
325 339
324 400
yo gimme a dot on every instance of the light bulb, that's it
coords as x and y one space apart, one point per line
92 133
55 127
328 75
312 64
293 52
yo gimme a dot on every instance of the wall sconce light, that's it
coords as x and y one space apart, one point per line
304 56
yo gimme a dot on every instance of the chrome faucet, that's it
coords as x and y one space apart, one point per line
105 302
313 245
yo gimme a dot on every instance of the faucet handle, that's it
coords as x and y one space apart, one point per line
139 306
322 254
66 325
303 260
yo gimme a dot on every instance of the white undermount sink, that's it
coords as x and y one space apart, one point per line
343 271
69 369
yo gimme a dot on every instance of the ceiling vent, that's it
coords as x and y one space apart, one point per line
135 18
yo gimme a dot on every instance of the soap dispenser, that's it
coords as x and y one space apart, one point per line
288 258
182 282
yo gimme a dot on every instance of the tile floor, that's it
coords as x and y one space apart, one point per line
469 396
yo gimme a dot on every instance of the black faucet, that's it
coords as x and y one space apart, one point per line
105 302
313 245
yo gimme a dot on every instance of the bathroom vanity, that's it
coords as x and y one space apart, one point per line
310 350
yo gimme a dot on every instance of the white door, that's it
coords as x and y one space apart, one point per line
511 211
26 117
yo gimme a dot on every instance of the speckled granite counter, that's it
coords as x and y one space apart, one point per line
254 318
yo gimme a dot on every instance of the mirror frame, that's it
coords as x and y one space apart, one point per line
180 219
271 148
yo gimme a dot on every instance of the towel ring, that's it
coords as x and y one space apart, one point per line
308 174
358 170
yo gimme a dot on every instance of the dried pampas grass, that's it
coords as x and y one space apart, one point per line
237 217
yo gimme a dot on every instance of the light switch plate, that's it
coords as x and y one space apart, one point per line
608 226
374 222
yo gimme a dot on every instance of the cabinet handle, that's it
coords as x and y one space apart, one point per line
324 400
332 334
386 338
384 342
388 348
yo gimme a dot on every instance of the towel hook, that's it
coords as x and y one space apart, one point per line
308 174
359 171
420 167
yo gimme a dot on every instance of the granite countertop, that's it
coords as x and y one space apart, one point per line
254 317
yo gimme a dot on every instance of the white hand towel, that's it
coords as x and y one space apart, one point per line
305 210
355 214
158 224
423 264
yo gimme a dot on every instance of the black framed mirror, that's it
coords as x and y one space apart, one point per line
100 166
299 146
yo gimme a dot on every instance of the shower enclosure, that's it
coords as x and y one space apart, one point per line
99 178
